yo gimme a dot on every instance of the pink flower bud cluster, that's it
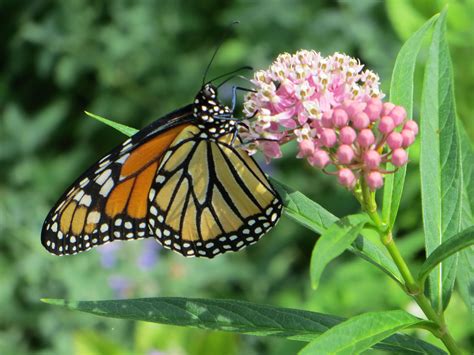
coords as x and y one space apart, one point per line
334 110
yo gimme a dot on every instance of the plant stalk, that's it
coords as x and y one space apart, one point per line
412 288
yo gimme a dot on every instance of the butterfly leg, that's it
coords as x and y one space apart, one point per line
234 95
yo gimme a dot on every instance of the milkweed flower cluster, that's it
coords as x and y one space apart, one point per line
334 110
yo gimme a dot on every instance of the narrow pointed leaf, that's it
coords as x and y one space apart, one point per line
451 246
440 163
337 238
401 93
465 271
128 131
360 333
303 210
234 316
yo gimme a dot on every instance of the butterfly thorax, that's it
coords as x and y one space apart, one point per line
213 117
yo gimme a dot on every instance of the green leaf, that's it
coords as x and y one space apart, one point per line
302 209
401 93
451 246
234 316
337 238
404 16
360 333
440 165
314 217
465 272
128 131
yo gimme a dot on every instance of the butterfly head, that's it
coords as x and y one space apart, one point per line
207 107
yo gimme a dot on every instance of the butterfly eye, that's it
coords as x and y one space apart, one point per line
209 92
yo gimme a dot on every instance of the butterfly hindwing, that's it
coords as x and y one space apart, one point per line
210 197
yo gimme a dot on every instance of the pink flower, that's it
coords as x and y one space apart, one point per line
346 178
399 157
412 126
271 149
340 117
372 159
332 106
347 135
373 109
374 180
345 154
398 114
366 138
386 124
320 158
328 137
306 148
361 120
395 140
408 137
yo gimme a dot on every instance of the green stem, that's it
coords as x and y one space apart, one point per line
410 282
411 286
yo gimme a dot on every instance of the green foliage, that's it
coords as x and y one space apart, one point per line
314 217
440 163
337 238
360 333
128 131
449 247
465 276
401 93
409 15
243 317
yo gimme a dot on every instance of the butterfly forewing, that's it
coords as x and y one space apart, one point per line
110 200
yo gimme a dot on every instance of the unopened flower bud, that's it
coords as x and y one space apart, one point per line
374 180
412 126
365 138
346 178
347 135
395 140
399 157
306 148
271 149
398 114
386 125
355 107
372 159
320 158
327 120
387 108
345 154
373 109
340 117
328 137
408 137
361 120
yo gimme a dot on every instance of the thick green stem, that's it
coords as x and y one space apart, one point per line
411 286
410 283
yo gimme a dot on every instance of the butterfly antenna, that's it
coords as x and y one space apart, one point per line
224 37
232 76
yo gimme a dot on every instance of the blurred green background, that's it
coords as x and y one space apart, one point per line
133 61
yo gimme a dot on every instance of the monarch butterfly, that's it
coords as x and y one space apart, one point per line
184 180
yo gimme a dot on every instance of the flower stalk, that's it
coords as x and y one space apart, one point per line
411 286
